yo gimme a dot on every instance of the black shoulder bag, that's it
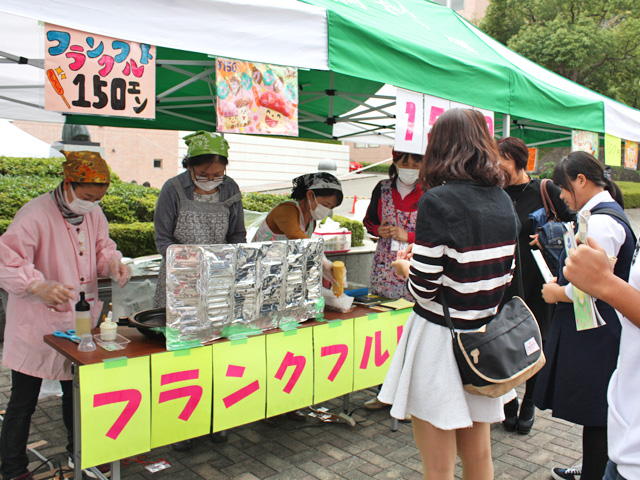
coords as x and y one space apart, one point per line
503 354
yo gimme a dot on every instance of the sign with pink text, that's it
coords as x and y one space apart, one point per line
239 378
333 360
435 106
91 74
256 98
410 132
372 345
180 395
115 406
289 370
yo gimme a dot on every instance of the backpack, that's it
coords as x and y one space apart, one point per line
549 229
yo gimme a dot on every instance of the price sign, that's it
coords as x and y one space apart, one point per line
410 133
114 401
372 344
239 376
95 75
333 360
181 384
289 370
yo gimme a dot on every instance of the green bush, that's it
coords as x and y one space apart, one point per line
262 202
4 224
355 227
380 168
631 194
134 239
39 167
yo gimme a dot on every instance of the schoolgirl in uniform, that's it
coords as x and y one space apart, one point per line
579 366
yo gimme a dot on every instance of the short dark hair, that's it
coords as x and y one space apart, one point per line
584 163
300 193
461 147
512 148
208 158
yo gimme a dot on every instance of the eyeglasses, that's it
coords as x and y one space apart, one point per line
204 178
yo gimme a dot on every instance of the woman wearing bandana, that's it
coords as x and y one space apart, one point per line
57 246
201 205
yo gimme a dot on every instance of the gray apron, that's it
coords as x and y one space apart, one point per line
199 223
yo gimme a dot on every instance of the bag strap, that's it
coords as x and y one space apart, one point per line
546 200
615 213
445 307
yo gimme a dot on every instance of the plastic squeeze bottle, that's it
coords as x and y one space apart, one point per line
108 329
83 316
338 274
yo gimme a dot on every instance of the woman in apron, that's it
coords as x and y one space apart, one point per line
200 206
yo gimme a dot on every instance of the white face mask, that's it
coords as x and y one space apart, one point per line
79 206
320 212
408 176
208 185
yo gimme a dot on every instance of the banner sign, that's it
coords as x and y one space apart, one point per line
130 405
115 405
239 375
612 150
180 395
532 160
631 155
256 98
95 75
415 115
584 141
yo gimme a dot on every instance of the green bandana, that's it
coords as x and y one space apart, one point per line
205 143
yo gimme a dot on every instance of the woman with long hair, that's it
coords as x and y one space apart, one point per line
464 251
573 383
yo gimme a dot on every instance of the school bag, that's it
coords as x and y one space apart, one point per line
549 229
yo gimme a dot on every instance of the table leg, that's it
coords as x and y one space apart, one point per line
345 403
77 471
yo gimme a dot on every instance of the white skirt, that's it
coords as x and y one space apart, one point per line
423 381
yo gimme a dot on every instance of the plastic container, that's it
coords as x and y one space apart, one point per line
108 330
338 242
119 343
86 343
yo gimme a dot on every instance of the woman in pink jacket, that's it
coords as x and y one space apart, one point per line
57 245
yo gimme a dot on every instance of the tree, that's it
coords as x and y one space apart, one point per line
595 43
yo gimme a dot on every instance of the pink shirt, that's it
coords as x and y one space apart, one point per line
40 245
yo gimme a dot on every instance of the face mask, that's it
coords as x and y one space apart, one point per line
408 176
320 212
208 185
81 207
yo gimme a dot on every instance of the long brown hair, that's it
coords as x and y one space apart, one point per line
461 148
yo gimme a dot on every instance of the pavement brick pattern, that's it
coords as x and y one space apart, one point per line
312 451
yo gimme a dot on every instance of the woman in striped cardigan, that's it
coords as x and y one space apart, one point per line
464 249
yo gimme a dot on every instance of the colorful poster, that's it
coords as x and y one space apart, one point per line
631 154
612 150
532 160
410 132
239 376
181 386
256 98
435 106
289 370
397 320
372 344
115 406
333 360
91 74
584 141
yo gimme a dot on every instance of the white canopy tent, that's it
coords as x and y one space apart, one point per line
15 142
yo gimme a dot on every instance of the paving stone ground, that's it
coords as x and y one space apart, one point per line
309 451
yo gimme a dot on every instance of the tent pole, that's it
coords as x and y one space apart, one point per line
506 125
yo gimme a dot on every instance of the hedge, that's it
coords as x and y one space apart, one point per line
134 239
380 168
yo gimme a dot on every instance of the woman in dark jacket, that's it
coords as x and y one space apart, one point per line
526 196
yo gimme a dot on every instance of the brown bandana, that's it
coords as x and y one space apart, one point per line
86 167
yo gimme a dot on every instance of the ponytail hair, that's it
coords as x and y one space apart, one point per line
584 163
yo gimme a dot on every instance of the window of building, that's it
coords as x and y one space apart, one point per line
455 4
365 145
157 163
